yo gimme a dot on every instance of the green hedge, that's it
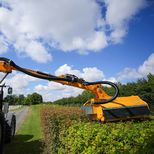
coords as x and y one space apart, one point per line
55 122
113 138
67 131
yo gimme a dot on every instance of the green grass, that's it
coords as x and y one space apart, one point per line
28 139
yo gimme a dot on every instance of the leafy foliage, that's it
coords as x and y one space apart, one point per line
55 121
31 99
75 101
14 99
67 130
110 138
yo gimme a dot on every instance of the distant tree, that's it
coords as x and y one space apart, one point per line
27 100
33 99
36 98
11 99
75 101
21 99
151 84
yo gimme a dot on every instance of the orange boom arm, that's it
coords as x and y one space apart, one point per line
103 107
8 66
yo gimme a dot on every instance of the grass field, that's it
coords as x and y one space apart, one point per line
28 139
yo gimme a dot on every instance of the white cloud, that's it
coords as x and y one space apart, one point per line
148 66
143 70
96 42
119 11
88 73
111 79
53 91
119 14
50 86
92 74
24 43
64 24
33 49
3 45
128 74
20 82
66 69
37 52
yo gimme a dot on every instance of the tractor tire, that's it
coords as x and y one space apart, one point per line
10 129
2 135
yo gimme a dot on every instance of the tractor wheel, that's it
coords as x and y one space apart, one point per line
2 126
10 130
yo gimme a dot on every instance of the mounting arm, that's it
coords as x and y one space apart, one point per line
101 97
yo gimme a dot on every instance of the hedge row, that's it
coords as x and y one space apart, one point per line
67 131
119 138
55 122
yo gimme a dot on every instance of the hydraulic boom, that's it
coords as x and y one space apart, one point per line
103 107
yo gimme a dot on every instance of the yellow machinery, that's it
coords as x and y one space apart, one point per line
103 107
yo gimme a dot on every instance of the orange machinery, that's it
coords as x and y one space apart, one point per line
103 107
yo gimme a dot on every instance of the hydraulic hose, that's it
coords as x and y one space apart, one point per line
107 83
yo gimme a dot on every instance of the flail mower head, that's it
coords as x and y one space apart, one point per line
122 108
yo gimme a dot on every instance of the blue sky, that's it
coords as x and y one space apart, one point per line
112 41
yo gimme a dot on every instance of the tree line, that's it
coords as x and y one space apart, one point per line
30 99
144 88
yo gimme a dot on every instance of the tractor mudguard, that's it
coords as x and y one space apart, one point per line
2 128
10 123
8 117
